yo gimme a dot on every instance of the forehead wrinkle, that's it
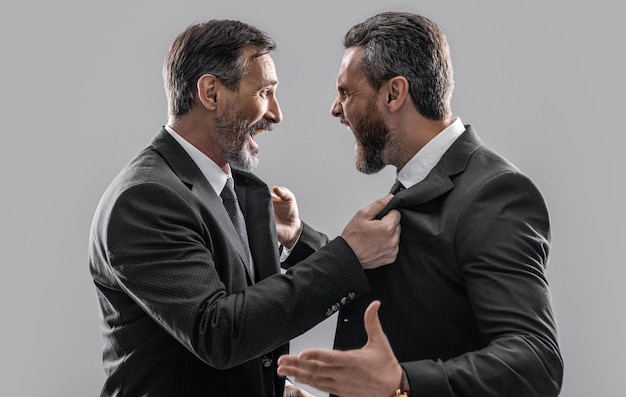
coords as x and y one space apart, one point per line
261 72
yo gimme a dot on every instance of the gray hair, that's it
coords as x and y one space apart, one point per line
214 47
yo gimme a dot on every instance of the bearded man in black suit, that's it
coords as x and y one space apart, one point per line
466 308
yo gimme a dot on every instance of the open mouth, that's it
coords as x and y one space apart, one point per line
260 128
345 123
253 145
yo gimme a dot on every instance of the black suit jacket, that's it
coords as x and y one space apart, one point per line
466 306
179 314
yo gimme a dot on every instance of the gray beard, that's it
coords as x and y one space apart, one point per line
244 160
233 140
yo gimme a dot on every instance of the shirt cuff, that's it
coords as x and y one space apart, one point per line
284 253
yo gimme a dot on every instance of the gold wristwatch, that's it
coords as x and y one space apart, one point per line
404 386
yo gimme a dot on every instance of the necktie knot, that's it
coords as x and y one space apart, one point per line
397 187
228 193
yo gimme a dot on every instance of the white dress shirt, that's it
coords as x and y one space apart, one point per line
420 165
215 175
211 171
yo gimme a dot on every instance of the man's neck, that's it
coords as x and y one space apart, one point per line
200 135
415 134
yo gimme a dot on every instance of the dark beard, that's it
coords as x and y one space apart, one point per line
372 136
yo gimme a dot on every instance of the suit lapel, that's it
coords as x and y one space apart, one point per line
439 180
434 185
255 199
189 173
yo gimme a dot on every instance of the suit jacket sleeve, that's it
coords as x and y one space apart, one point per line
502 248
310 241
163 254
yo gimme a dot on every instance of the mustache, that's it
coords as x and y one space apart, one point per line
263 125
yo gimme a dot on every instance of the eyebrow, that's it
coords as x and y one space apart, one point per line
270 83
260 52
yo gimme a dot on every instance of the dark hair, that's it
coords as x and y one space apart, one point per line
408 45
214 47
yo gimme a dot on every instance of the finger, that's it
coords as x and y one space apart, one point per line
293 372
373 209
303 371
326 374
322 356
317 379
307 359
306 367
286 359
392 221
290 365
393 217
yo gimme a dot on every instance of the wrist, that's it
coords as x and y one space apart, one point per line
404 389
296 236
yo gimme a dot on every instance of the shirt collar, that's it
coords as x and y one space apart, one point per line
211 171
420 165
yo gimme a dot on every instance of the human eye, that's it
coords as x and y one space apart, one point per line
265 92
343 93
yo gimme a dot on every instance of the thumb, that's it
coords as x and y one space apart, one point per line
282 192
373 328
278 190
370 211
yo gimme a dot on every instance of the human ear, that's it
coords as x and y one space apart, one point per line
207 91
397 91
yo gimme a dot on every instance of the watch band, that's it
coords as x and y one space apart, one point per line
400 393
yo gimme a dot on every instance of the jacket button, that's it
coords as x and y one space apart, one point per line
266 361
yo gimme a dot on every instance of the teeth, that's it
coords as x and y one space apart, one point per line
259 131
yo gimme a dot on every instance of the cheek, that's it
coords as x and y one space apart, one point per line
346 110
351 114
354 108
257 110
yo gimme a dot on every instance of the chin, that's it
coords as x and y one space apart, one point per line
369 166
248 164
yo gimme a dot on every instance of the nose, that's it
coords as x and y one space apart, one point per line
336 109
274 114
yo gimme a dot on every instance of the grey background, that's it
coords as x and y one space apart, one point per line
81 93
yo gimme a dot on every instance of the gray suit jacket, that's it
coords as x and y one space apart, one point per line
180 316
466 306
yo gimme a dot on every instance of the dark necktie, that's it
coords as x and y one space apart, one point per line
397 187
229 198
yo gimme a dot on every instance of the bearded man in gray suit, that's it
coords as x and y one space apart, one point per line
192 298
